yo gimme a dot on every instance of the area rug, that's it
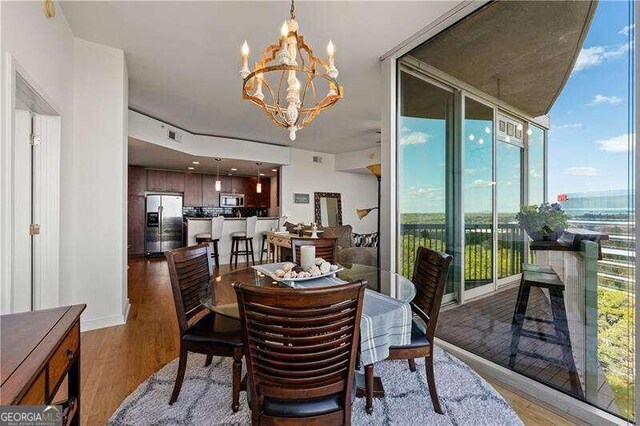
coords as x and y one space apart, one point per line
205 398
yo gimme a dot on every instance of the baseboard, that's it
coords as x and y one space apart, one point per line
533 390
103 322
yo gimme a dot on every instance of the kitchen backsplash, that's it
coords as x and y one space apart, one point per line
224 211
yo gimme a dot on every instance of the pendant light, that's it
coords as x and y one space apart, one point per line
259 185
218 183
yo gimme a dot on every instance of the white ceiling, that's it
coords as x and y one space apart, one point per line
158 157
183 60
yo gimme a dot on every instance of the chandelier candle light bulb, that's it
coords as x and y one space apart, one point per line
244 71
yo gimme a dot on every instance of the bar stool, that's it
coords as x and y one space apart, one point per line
217 223
263 248
247 237
544 277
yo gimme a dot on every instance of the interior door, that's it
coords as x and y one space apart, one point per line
22 278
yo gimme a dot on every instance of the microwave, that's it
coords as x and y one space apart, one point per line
231 200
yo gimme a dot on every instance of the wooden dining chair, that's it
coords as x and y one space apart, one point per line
190 270
430 279
326 248
301 347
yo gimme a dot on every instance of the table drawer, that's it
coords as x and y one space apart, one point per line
63 356
280 241
35 395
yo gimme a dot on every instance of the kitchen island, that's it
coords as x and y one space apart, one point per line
197 225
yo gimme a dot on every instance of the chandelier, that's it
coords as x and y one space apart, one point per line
287 80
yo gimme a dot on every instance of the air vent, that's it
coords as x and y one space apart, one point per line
317 159
174 135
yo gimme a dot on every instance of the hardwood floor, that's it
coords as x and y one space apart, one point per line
116 360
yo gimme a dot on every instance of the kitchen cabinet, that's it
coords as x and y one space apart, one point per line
175 182
226 184
251 196
135 225
238 184
137 180
210 197
264 199
156 180
192 190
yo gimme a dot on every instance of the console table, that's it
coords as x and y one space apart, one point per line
39 349
278 240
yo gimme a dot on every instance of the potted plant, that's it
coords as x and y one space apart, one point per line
545 222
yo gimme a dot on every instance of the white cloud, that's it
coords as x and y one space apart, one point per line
592 56
626 29
582 171
574 126
480 183
534 173
605 100
618 143
427 193
414 138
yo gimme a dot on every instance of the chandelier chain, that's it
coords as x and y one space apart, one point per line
292 11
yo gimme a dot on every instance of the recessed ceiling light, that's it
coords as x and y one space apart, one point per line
274 170
195 162
191 168
233 169
261 174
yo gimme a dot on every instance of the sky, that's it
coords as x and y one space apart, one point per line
589 135
588 142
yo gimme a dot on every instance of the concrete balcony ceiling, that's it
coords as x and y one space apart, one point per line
521 52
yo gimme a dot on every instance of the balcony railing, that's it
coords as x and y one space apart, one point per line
478 240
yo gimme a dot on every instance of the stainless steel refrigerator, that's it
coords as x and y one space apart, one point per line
163 223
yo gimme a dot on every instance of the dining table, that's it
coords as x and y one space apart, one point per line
386 313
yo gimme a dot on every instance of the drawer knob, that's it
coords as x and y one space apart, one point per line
69 355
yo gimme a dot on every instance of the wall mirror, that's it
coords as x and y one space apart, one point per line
328 208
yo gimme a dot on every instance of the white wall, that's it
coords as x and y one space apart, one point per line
358 160
302 175
274 210
154 131
87 85
43 50
99 184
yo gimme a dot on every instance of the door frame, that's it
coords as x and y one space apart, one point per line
451 162
47 266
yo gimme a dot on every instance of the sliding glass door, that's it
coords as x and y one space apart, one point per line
509 198
461 176
478 196
424 140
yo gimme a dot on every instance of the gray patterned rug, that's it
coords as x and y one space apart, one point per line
206 397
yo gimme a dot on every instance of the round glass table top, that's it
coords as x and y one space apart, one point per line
221 299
